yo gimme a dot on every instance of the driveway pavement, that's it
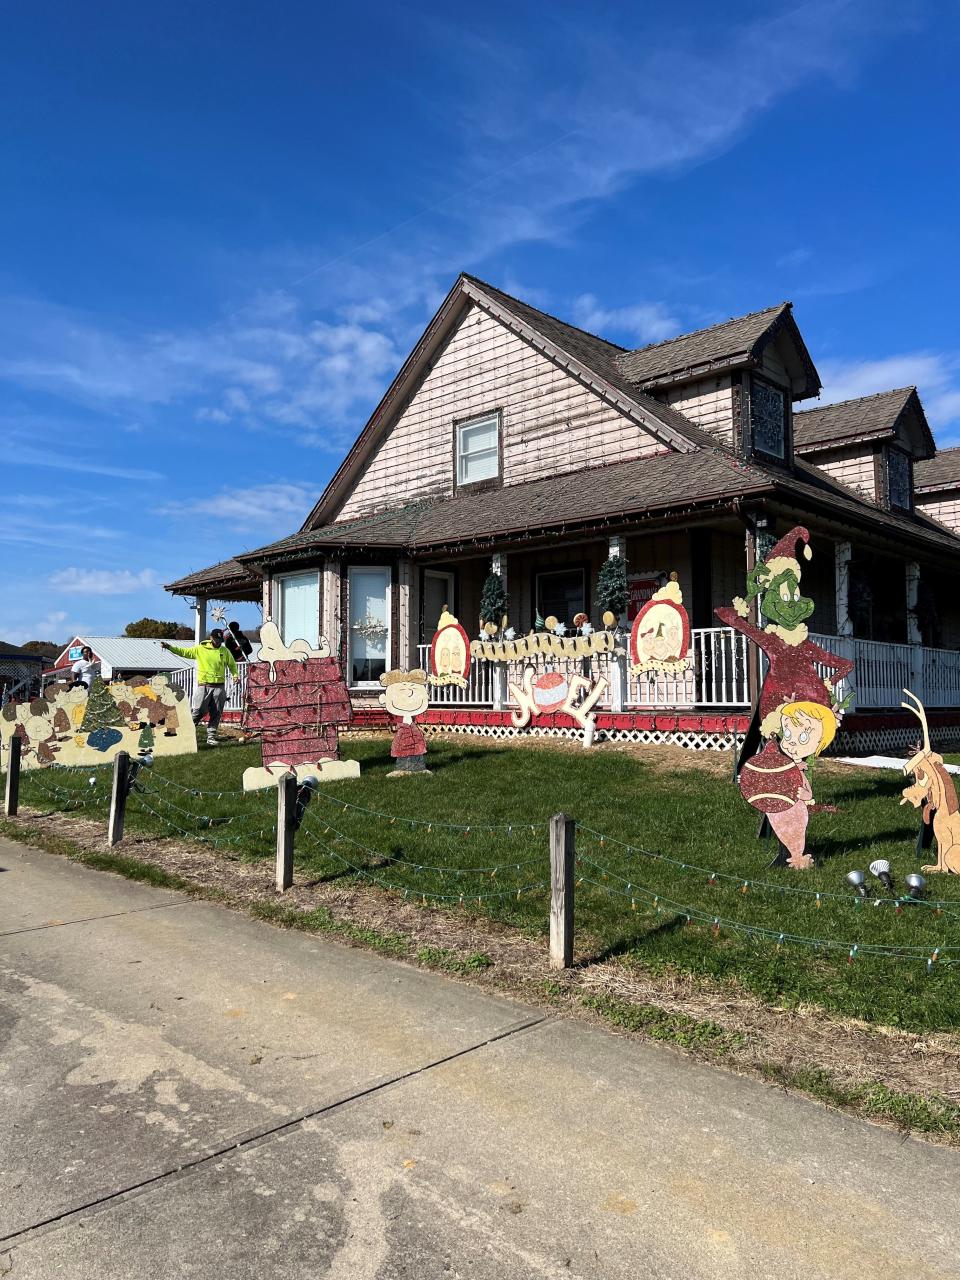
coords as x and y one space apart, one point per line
188 1092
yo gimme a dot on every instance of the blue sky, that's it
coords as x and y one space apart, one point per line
224 226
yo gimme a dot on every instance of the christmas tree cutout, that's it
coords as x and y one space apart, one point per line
145 741
101 712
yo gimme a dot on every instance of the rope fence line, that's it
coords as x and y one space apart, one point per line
132 780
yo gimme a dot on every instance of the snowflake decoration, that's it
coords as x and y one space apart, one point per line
219 613
560 629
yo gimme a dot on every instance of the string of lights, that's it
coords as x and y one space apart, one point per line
460 897
490 869
748 884
138 797
431 823
660 903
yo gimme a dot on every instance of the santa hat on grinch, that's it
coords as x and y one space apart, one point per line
779 559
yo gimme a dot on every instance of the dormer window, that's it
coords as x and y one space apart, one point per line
478 450
898 479
768 419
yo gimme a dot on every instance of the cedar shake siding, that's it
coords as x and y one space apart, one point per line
550 423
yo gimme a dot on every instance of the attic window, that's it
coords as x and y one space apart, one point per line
767 419
898 479
478 450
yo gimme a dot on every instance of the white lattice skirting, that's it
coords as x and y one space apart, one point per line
680 738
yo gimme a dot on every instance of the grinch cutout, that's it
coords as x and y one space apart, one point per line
793 658
405 695
449 653
660 635
798 709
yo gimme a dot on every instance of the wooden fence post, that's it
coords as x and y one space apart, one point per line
286 812
12 796
118 797
562 854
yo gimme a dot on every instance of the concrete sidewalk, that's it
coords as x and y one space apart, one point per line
187 1092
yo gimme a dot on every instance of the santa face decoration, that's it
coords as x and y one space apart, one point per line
660 635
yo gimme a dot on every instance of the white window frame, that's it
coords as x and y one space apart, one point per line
367 568
485 418
277 594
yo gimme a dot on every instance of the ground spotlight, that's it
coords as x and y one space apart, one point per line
856 878
916 884
881 869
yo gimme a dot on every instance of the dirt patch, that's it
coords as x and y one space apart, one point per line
760 1036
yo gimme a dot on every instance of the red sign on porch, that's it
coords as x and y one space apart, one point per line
641 588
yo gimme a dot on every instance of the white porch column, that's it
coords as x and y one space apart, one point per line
498 676
406 628
267 598
618 548
330 604
913 596
914 636
843 554
200 621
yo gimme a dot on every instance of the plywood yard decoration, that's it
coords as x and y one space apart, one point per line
405 696
660 634
296 699
933 792
449 653
542 693
799 710
74 726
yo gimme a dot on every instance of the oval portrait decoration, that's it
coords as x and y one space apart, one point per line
449 653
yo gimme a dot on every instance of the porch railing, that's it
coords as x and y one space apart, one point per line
236 689
719 676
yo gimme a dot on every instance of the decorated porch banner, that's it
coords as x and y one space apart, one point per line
449 653
296 698
799 711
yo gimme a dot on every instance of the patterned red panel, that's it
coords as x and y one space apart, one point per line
297 713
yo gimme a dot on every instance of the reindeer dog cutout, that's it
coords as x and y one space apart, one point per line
934 794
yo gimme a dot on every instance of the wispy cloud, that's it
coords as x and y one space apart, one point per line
28 530
102 582
51 626
27 456
259 504
643 321
935 374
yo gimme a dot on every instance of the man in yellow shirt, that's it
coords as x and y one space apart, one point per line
213 661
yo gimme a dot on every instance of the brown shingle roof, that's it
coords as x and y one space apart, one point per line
939 472
830 425
727 345
667 480
228 574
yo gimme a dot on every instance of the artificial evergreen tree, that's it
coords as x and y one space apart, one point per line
494 601
612 589
101 711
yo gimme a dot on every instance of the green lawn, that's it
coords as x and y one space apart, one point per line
416 842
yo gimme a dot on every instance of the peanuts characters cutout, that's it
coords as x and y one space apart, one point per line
405 695
449 653
660 635
799 712
934 794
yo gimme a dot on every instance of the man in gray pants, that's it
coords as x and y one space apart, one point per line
213 661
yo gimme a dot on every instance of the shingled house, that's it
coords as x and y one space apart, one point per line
511 439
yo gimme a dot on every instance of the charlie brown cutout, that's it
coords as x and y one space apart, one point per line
405 695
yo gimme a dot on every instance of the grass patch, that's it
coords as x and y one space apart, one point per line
413 844
908 1111
448 961
679 1029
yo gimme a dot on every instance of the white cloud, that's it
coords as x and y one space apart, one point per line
102 582
28 530
935 374
644 321
24 455
259 504
50 626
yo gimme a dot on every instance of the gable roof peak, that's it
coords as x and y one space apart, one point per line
905 392
770 313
